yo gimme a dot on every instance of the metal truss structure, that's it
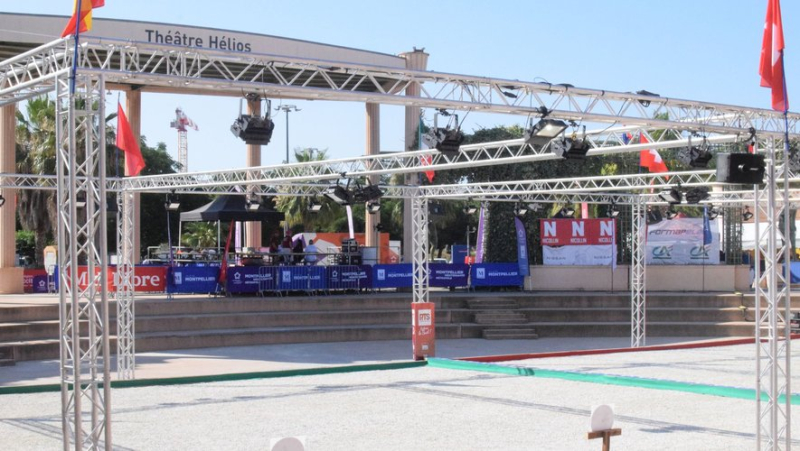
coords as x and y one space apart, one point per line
773 330
126 342
81 179
83 299
638 266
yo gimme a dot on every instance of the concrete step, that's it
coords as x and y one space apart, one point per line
624 314
654 329
7 356
500 317
492 304
510 334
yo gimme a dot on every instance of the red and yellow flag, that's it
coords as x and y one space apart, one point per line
84 15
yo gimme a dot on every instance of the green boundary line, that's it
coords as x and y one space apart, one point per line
45 388
655 384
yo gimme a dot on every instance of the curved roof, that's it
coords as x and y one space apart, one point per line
21 32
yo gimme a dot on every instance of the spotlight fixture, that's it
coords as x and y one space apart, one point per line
671 214
613 210
255 130
673 196
470 209
696 157
339 194
712 213
696 195
380 227
566 212
747 214
520 210
373 207
544 131
172 202
445 140
654 215
80 200
252 203
793 159
367 193
314 206
535 207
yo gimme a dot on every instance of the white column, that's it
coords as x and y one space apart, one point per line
10 276
373 148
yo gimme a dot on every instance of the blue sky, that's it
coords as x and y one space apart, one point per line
700 50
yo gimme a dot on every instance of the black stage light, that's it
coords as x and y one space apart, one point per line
566 212
671 214
367 193
713 212
613 210
373 207
696 195
654 215
520 210
747 214
172 203
695 157
254 130
445 140
470 209
314 206
339 194
252 204
673 196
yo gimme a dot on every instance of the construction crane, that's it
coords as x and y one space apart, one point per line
182 123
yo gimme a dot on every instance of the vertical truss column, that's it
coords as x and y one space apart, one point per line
638 291
773 343
83 267
126 345
419 230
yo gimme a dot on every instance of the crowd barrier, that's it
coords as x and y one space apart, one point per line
309 279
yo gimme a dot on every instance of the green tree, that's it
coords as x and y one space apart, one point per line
200 235
296 208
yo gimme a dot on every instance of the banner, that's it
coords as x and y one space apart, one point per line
28 279
145 278
495 275
302 277
682 241
572 232
593 255
447 275
393 276
250 279
193 279
522 248
347 277
479 238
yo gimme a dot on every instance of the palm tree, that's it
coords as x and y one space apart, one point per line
200 235
36 154
296 208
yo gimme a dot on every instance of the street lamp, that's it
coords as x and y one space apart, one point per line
287 109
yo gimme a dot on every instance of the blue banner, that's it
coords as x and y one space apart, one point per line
393 276
522 247
496 275
251 279
349 277
301 278
446 275
39 284
460 253
192 279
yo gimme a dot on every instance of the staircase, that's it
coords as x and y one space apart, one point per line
7 356
500 320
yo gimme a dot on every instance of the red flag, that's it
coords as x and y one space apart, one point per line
771 67
650 158
134 162
85 15
427 160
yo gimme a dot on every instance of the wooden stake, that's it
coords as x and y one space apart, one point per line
606 435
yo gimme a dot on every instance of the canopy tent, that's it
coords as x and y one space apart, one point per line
231 208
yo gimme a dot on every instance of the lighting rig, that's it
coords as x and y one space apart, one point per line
446 140
255 130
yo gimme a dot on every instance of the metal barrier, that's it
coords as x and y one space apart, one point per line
309 279
349 277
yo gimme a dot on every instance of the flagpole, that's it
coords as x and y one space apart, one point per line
75 54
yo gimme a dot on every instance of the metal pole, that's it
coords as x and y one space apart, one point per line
287 136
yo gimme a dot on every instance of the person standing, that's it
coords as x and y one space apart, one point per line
311 253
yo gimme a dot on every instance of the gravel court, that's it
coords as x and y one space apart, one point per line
732 366
410 409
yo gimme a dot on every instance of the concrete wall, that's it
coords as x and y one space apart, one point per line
658 278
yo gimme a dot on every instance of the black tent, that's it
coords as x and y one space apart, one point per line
231 208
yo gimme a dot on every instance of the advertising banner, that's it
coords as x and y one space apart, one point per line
193 279
145 278
349 277
393 276
592 255
27 279
243 279
576 232
682 241
522 247
495 275
447 275
301 277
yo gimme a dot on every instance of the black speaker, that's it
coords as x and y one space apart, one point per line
740 168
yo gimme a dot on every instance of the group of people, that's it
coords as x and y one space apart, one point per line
293 253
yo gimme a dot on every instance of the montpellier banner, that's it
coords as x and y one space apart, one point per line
681 242
578 242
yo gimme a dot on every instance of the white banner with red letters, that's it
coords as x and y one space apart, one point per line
578 242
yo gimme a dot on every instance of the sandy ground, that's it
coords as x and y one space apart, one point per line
426 408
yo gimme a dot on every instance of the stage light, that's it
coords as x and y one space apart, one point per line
696 195
568 148
695 157
747 214
713 212
613 210
252 203
654 215
673 196
172 203
339 194
566 212
535 207
445 140
470 209
373 207
255 130
671 214
314 206
380 227
367 193
520 210
544 131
